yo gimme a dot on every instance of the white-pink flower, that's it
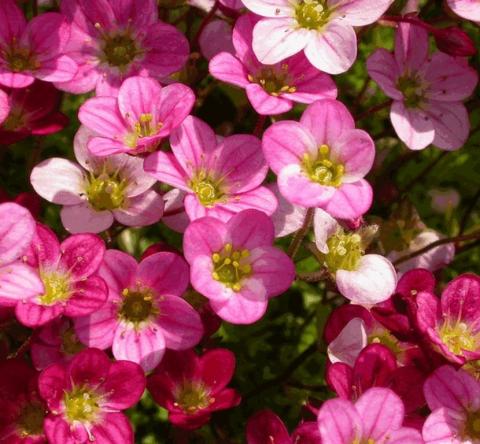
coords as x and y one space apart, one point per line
467 9
321 28
321 161
365 279
96 191
427 91
145 312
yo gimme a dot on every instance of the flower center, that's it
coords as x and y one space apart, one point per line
120 50
137 305
145 127
384 337
273 80
192 397
30 422
458 337
14 121
231 266
70 343
412 91
105 192
20 59
312 14
57 287
472 426
344 252
82 405
322 169
208 190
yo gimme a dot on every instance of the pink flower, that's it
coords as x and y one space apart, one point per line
138 119
99 190
321 160
444 200
192 387
264 427
271 89
54 342
454 398
4 106
235 265
467 9
215 38
427 92
365 279
34 49
32 111
323 29
86 398
145 313
56 278
113 40
377 416
23 411
221 178
16 232
451 324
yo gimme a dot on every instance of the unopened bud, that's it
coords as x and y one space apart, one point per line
454 41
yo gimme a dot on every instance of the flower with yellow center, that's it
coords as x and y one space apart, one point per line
209 190
106 192
231 267
20 59
274 80
312 14
412 90
344 251
81 404
471 431
137 306
192 396
458 336
322 169
57 287
119 50
30 422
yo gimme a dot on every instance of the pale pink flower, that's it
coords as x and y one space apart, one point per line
427 92
145 313
235 265
66 280
321 160
365 279
376 417
321 28
174 215
454 398
34 49
220 178
287 218
98 190
467 9
271 89
112 40
138 119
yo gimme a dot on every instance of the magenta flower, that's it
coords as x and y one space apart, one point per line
34 49
264 427
323 29
365 279
65 279
4 106
427 92
235 265
99 190
113 40
454 398
271 89
31 111
145 313
23 411
377 416
138 119
86 398
16 232
215 38
221 178
54 342
321 160
192 387
467 9
451 324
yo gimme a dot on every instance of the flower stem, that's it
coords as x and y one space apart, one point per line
374 109
300 234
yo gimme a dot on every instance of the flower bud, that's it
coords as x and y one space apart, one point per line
454 41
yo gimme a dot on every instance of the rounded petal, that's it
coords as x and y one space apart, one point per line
250 229
372 282
145 346
89 296
285 143
349 343
203 237
451 124
270 8
32 314
165 168
216 368
228 68
83 218
174 105
179 322
287 218
267 104
89 367
443 426
142 210
166 273
69 185
4 106
137 96
324 226
350 201
361 12
98 329
118 270
382 67
339 422
202 280
414 127
265 426
82 254
115 429
411 47
19 282
276 39
57 69
334 49
101 114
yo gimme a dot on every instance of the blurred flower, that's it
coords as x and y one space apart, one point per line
444 200
215 38
467 9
